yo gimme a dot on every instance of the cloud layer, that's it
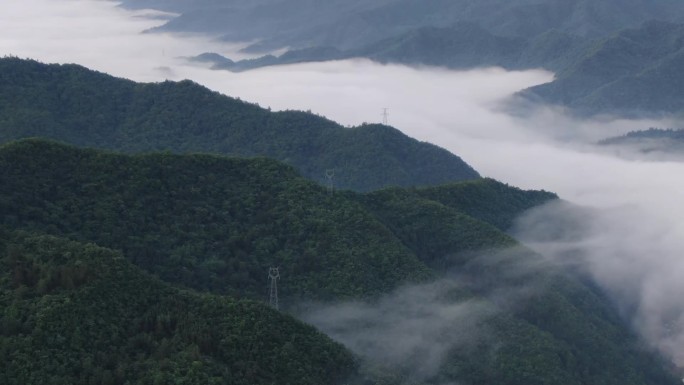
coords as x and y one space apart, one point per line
635 255
413 328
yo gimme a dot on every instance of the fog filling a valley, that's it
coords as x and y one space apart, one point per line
412 329
631 243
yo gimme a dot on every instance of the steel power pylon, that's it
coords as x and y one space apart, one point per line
330 175
273 276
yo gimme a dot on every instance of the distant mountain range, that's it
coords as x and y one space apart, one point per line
611 56
354 24
665 143
461 46
86 108
634 72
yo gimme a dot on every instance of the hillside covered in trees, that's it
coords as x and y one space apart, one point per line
86 108
215 225
633 72
75 313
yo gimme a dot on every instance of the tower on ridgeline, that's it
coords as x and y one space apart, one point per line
385 116
330 175
273 277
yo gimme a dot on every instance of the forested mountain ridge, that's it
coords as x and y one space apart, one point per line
75 105
74 313
197 219
655 143
206 222
632 72
464 45
651 133
217 224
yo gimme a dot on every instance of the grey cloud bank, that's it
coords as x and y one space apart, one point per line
635 255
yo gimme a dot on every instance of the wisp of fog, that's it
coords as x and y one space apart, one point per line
413 328
631 244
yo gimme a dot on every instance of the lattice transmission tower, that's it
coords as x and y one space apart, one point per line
330 176
273 277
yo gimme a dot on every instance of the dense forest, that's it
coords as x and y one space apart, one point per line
218 223
75 313
214 225
86 108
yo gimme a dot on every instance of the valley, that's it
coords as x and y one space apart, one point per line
144 197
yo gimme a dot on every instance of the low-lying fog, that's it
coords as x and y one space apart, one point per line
633 245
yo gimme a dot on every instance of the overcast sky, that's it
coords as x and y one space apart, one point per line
635 245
